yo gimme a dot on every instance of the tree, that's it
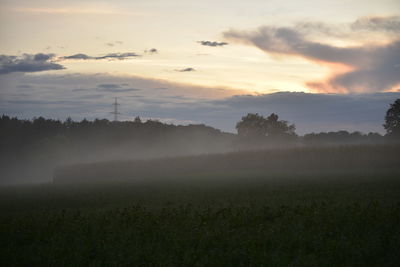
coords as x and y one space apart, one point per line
277 127
252 125
256 126
392 119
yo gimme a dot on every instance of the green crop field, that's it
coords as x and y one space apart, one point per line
296 218
290 223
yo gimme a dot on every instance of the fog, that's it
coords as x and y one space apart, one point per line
126 193
31 155
43 150
242 166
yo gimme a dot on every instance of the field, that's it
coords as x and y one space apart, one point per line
297 217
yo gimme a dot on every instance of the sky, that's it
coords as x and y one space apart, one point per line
323 65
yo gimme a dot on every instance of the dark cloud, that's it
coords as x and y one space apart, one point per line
379 74
119 56
121 90
115 88
388 24
186 70
321 29
92 96
363 28
28 63
317 112
373 68
25 86
43 57
212 43
78 56
287 41
57 96
109 86
151 51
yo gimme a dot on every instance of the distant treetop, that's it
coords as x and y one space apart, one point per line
392 119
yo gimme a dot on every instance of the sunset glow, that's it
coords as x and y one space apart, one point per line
206 50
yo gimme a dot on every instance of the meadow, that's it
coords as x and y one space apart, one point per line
318 207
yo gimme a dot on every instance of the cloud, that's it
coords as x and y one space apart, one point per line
115 88
373 23
186 70
78 95
78 56
212 43
109 86
364 28
91 96
25 86
370 68
317 112
151 51
118 56
111 44
28 63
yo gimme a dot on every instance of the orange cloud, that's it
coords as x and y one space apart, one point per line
363 68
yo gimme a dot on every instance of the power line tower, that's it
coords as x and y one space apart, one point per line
115 112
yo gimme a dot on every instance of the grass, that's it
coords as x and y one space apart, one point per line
264 223
298 216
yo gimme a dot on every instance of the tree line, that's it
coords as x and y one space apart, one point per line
256 129
253 128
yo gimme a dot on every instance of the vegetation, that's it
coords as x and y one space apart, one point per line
296 207
309 161
342 138
392 120
350 220
40 145
256 126
19 134
150 194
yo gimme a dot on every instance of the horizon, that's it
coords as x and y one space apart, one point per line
313 112
269 133
191 62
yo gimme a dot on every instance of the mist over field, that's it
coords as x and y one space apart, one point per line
33 150
149 193
199 133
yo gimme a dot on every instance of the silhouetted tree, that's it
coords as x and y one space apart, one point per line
392 120
19 136
255 125
277 127
252 125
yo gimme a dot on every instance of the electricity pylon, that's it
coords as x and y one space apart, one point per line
115 112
